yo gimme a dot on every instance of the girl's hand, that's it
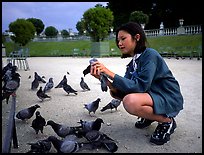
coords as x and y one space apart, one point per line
95 71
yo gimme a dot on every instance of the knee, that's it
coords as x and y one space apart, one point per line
130 104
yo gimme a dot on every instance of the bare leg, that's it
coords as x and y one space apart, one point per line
141 104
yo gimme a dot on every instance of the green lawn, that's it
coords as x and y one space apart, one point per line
182 45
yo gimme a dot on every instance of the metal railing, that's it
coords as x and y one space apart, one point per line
11 129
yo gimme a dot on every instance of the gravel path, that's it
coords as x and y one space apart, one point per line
119 124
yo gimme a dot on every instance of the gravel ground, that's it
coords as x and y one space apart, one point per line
119 125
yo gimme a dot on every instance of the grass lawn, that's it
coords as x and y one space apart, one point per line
181 44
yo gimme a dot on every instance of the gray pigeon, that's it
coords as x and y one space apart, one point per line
39 78
49 85
61 130
84 85
103 77
10 86
42 95
67 146
38 123
64 80
68 89
34 84
27 113
87 126
114 103
41 146
100 139
93 106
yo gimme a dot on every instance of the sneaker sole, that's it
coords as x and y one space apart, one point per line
154 141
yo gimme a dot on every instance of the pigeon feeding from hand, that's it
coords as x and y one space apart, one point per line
27 113
103 77
49 85
61 130
68 89
114 103
41 95
64 80
93 106
41 146
84 85
38 123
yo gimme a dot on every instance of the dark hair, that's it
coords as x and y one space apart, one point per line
133 28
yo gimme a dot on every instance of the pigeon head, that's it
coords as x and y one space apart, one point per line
17 75
98 99
50 122
37 113
92 60
99 120
36 106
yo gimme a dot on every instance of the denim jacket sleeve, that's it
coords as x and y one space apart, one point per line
138 80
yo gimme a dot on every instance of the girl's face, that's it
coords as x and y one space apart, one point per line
126 43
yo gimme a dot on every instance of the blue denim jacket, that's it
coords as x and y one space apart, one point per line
154 77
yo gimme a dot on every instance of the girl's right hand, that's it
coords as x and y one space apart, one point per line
94 71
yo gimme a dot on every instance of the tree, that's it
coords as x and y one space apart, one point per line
39 26
168 11
97 22
51 31
139 17
65 33
80 27
23 30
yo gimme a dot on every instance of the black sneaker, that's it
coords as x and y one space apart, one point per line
143 123
162 132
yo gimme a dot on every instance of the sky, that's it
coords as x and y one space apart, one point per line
61 15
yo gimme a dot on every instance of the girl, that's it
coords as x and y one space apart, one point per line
148 89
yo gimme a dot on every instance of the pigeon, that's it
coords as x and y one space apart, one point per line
87 126
87 70
100 139
34 84
114 103
5 68
84 85
68 89
41 95
38 123
60 129
103 77
38 77
27 113
66 145
41 146
93 106
29 77
10 86
7 75
64 80
49 85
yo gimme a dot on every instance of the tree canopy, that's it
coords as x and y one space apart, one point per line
97 22
139 17
167 11
51 31
39 26
23 30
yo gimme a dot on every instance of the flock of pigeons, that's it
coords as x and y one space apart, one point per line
70 139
